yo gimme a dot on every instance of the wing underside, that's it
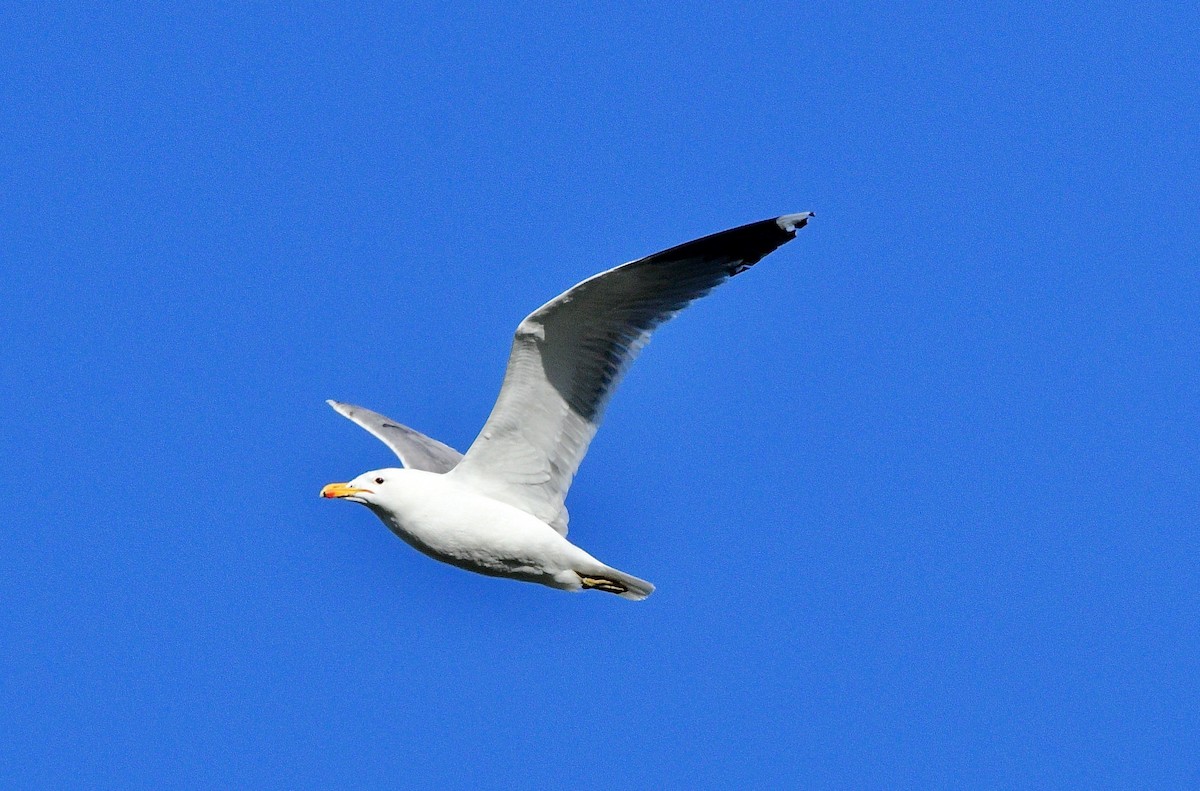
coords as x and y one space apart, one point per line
416 451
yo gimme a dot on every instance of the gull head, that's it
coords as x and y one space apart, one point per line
366 489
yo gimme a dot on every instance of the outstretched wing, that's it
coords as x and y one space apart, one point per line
416 451
569 355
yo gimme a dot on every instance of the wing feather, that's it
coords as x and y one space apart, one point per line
416 451
569 355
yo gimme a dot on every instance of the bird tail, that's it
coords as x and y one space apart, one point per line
611 580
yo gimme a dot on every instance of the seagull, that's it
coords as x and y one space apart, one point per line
498 509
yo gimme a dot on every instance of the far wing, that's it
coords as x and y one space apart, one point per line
569 355
416 451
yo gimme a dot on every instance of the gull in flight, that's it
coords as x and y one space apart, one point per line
498 509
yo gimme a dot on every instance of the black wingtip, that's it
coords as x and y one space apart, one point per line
740 247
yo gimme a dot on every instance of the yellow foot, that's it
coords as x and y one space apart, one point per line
603 584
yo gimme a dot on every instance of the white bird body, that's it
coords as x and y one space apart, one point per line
499 509
453 523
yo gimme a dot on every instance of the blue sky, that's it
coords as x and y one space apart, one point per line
919 492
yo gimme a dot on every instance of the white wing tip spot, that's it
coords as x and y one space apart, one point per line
793 222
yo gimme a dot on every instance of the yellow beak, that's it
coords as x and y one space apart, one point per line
338 490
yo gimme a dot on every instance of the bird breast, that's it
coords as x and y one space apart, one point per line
455 524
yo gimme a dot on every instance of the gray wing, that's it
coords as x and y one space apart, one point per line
569 355
416 451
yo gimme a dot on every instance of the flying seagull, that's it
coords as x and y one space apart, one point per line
498 510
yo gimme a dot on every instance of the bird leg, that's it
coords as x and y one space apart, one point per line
603 584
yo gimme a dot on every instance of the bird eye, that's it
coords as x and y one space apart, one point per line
379 480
